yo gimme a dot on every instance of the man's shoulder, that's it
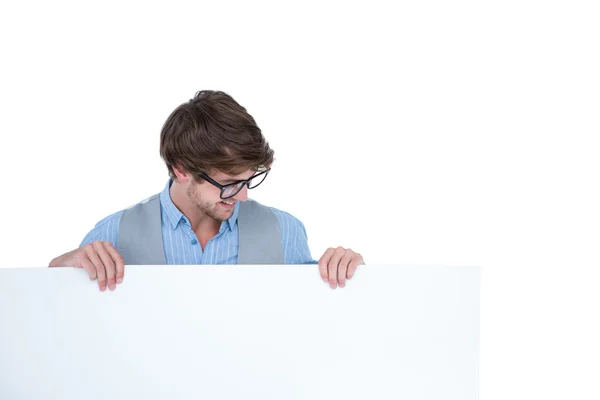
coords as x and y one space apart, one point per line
107 229
116 217
111 219
287 221
283 215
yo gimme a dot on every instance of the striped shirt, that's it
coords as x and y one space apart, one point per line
181 244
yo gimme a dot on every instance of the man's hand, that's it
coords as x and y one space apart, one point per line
101 261
337 265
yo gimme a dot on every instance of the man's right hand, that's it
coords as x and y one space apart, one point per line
101 261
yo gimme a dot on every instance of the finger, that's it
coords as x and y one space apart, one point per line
332 266
356 261
108 262
118 259
91 253
343 267
323 264
88 267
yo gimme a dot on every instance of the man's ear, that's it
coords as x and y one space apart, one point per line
181 174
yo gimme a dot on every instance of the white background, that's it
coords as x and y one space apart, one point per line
454 133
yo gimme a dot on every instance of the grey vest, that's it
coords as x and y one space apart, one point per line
139 239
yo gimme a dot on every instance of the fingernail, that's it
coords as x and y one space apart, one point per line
342 285
119 280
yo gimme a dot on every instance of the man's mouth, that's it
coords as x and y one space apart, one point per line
228 203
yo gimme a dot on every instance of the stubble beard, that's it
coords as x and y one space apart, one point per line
212 210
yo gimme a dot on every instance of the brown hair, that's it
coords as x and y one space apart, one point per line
213 131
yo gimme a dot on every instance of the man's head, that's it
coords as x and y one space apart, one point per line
213 138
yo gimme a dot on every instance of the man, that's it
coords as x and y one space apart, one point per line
215 153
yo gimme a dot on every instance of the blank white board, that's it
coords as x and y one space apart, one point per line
240 332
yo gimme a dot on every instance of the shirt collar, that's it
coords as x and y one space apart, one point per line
175 216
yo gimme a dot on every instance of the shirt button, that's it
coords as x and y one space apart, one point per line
194 242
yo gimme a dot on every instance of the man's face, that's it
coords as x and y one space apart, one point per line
207 198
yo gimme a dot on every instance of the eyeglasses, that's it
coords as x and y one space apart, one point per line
231 189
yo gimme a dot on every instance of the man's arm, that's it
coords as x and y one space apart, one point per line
294 240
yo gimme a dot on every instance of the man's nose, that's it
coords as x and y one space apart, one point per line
242 195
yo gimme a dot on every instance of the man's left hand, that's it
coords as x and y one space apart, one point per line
337 265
